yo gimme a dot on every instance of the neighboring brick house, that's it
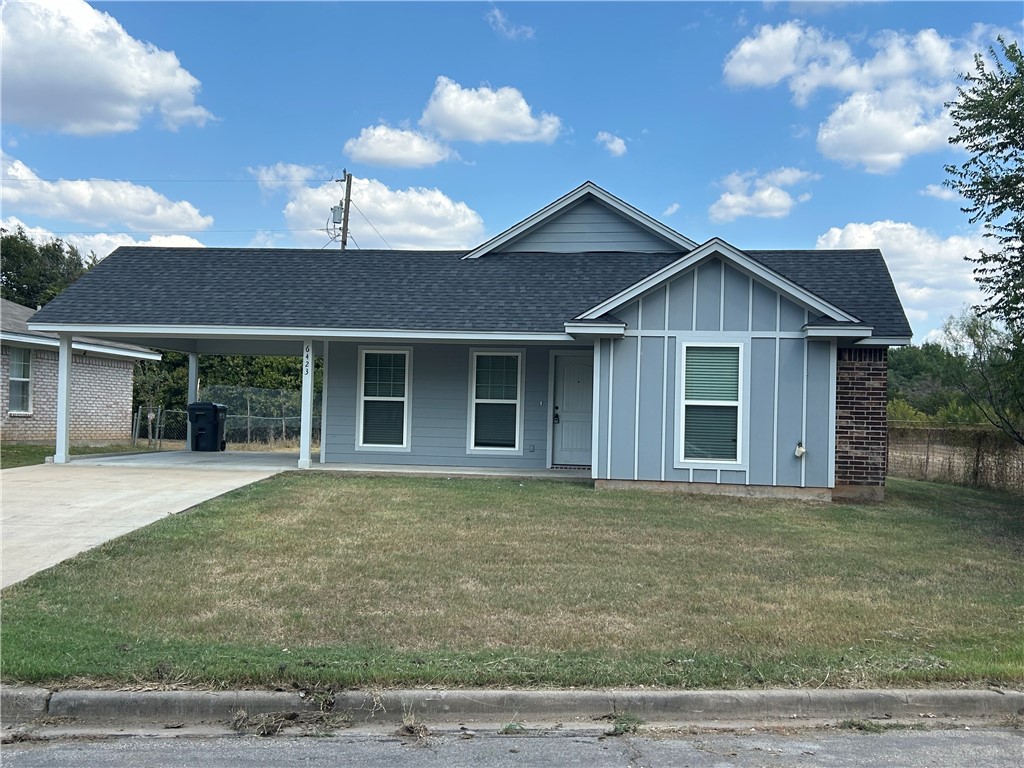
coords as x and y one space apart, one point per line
101 383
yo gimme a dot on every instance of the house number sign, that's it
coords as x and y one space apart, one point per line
307 359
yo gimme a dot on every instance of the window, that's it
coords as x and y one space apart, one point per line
495 394
711 403
384 399
21 380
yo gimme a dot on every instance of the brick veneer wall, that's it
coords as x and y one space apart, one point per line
101 398
861 422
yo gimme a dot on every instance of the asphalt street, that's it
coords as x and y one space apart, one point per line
977 748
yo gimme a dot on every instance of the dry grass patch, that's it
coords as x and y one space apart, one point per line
399 581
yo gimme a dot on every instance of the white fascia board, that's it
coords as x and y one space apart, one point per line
718 246
78 346
837 332
586 189
885 341
266 332
596 329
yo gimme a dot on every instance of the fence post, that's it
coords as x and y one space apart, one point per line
136 423
977 458
159 426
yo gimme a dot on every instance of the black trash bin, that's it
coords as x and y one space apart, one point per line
207 421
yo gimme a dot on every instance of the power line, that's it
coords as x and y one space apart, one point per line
371 226
177 181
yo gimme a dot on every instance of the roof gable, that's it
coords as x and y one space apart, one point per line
716 247
587 219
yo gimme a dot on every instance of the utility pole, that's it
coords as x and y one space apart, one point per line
348 202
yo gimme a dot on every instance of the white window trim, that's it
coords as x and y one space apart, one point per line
471 448
11 378
405 447
681 462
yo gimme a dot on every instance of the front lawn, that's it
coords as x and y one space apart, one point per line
317 579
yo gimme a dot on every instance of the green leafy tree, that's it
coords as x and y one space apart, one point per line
989 117
989 369
32 274
919 375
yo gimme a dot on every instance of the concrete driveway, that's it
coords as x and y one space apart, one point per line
49 512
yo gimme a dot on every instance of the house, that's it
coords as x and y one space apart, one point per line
587 335
101 390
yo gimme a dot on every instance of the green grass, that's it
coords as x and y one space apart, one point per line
23 455
323 580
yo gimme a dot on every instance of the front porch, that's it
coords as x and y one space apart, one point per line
287 461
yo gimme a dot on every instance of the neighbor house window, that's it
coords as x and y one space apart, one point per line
384 399
711 403
21 380
496 393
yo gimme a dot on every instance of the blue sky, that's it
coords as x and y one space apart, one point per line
771 125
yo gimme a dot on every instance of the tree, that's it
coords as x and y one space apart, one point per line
989 369
31 274
989 116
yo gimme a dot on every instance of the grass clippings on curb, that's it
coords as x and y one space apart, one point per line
323 580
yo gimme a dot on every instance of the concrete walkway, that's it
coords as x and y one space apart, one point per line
49 512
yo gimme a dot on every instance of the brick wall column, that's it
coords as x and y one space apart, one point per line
862 437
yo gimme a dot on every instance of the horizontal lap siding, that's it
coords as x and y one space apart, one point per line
588 227
786 382
439 408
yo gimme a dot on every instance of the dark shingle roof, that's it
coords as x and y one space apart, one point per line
14 319
857 281
408 290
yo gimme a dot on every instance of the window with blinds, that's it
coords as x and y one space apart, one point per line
20 380
496 400
383 398
711 403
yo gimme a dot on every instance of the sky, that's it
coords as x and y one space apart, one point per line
770 125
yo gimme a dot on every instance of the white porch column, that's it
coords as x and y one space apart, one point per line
193 393
323 402
306 427
62 449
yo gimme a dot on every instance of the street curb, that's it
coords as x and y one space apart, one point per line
21 704
85 706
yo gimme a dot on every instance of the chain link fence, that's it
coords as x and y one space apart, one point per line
976 455
257 419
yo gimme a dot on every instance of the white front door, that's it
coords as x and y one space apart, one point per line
572 410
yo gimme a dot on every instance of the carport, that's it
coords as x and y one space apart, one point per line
194 342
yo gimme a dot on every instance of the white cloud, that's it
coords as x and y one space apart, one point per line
486 114
940 192
71 68
747 194
616 147
670 210
102 243
500 23
96 202
894 103
414 218
383 145
284 176
929 271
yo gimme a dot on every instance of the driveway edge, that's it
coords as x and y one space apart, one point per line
19 704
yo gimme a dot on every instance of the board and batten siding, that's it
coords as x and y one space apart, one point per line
589 226
438 408
787 384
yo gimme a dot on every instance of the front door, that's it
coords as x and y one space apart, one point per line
572 410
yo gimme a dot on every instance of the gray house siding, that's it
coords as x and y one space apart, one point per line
438 407
589 226
787 384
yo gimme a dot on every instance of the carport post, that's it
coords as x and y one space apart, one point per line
306 426
62 449
193 393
